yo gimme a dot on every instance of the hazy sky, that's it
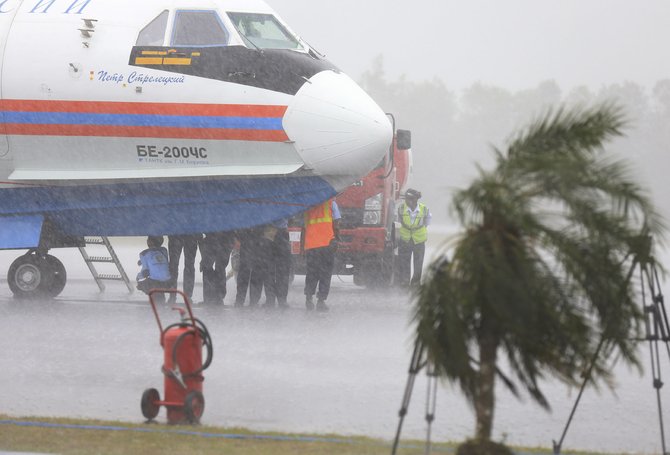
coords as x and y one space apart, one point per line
510 43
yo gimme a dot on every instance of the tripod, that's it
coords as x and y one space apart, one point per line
657 330
416 364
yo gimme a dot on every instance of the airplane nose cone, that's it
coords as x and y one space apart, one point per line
338 130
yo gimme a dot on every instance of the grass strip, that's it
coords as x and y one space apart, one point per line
71 436
80 436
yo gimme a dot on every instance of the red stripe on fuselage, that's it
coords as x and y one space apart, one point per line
114 107
146 131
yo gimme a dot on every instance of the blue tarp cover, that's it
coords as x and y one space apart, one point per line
17 232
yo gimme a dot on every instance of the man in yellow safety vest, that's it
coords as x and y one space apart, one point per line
319 241
414 219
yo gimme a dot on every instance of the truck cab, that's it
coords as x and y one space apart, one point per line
368 207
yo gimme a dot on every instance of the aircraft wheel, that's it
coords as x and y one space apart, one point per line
194 406
58 276
29 276
150 408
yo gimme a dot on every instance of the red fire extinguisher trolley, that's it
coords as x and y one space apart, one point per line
182 344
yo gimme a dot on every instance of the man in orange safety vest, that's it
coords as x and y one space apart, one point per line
319 242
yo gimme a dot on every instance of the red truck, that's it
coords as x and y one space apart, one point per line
367 230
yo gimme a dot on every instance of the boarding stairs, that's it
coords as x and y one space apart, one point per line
108 257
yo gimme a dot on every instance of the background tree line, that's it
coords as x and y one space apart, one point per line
453 131
550 190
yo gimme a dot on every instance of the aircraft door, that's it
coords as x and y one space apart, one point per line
6 17
4 146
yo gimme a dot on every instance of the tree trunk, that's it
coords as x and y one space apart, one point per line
485 399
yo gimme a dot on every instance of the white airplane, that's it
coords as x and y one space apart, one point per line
153 117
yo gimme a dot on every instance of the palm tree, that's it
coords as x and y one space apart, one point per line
541 272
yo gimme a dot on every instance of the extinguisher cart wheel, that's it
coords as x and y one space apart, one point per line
150 406
194 406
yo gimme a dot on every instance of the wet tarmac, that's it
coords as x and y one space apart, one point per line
90 354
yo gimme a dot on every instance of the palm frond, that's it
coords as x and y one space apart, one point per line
575 132
543 265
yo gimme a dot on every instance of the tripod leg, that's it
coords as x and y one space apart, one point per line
587 376
658 384
414 367
657 320
658 299
431 404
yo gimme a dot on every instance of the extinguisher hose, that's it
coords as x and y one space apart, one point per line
206 341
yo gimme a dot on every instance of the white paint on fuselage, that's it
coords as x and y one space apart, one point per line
74 158
44 46
44 69
41 47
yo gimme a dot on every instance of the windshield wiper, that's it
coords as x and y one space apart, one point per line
245 39
313 51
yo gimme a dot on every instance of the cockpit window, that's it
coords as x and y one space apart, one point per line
154 33
264 31
198 28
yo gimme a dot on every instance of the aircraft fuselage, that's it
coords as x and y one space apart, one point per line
207 114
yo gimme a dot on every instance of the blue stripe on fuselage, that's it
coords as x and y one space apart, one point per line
67 118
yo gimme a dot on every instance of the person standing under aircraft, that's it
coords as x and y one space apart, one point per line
215 249
280 266
414 219
319 242
248 239
261 266
189 244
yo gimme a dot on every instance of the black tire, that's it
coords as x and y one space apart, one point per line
367 273
387 265
194 407
359 278
150 406
58 276
388 259
29 276
377 272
